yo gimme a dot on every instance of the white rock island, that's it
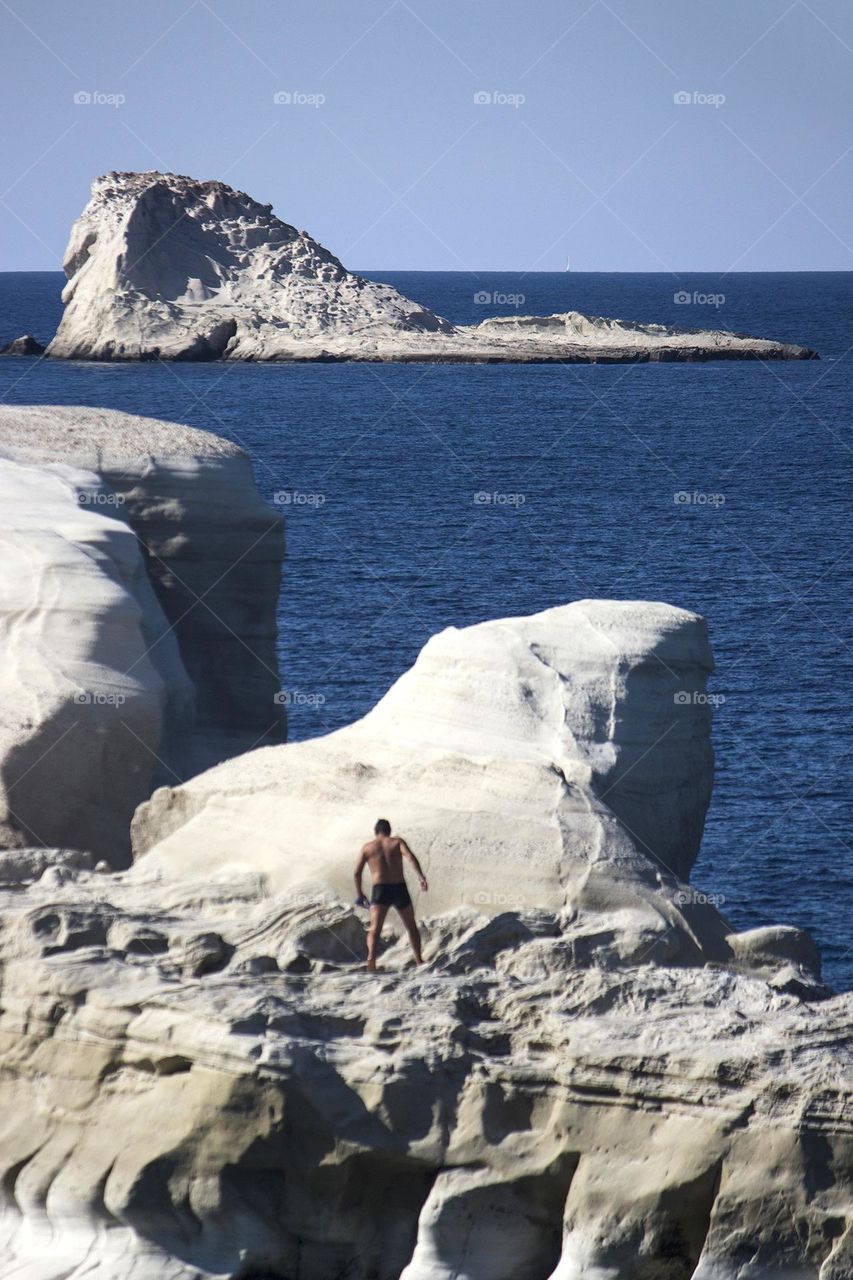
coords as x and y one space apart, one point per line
161 266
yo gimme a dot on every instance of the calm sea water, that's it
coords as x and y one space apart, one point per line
387 542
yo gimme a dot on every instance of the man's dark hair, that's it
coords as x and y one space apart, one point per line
382 828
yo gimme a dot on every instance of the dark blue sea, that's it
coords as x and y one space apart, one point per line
387 543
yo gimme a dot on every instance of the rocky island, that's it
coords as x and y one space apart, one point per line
161 266
594 1076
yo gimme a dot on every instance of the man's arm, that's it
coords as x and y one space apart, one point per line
407 853
359 872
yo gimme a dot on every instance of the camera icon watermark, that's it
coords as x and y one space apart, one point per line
694 98
496 98
684 498
483 499
95 98
298 698
297 498
683 298
486 298
90 698
695 698
296 98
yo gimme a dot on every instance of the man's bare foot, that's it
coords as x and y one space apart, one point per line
371 966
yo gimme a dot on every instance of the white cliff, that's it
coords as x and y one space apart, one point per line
557 762
137 632
561 760
161 266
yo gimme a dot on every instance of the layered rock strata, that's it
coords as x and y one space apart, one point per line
199 1082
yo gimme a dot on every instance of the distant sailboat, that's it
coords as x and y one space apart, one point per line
568 264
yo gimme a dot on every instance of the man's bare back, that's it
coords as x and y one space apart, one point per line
384 856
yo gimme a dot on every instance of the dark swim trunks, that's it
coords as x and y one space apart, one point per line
390 895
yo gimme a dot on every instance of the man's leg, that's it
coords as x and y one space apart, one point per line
377 919
407 915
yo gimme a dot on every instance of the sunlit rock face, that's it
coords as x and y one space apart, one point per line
557 760
138 628
199 1081
161 266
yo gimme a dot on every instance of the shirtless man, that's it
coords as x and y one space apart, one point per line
384 855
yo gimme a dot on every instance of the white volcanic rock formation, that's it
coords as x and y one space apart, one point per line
198 1083
137 630
162 266
592 1078
561 760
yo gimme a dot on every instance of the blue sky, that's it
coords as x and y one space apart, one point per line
384 153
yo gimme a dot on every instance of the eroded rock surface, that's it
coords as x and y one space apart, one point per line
519 1108
161 266
537 761
137 630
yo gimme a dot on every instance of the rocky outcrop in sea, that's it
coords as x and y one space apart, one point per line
164 267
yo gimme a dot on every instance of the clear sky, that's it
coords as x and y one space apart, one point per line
384 153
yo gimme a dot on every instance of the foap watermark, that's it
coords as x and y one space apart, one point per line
300 898
487 298
483 499
684 298
695 98
96 698
491 898
690 897
497 98
299 698
296 98
686 498
95 98
696 698
297 498
97 498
